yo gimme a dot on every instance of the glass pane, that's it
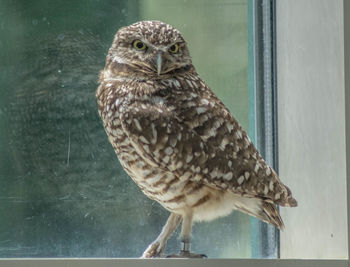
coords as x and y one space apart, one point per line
216 32
63 192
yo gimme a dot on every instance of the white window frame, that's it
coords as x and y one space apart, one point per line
229 262
311 121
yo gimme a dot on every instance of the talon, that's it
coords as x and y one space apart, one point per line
154 250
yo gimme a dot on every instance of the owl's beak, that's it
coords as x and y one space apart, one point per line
159 62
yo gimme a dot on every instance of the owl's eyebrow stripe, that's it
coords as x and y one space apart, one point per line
163 48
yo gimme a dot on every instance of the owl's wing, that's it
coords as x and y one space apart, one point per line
203 143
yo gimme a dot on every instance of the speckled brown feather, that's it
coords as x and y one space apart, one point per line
175 138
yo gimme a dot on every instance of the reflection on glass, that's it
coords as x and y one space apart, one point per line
62 190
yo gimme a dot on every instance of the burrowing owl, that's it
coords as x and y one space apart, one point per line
176 139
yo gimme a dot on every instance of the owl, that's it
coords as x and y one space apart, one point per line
177 140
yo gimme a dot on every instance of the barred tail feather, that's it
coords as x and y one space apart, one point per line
271 215
261 209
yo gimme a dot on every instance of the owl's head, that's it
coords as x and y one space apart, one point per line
151 48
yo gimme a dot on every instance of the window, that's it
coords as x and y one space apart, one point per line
62 190
64 193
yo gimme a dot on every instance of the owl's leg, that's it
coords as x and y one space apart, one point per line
186 239
156 248
186 230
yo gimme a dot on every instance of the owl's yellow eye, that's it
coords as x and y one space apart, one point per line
139 45
174 48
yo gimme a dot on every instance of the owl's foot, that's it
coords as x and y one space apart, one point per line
154 250
187 254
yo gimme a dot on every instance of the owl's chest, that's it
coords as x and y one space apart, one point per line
157 183
153 181
114 105
131 158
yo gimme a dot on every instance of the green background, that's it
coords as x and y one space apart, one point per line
63 192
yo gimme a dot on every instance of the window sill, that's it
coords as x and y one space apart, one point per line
87 262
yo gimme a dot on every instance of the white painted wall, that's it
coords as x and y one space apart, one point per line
311 126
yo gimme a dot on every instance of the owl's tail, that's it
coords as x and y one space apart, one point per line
270 214
261 209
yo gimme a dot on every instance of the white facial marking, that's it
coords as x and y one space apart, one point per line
118 60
